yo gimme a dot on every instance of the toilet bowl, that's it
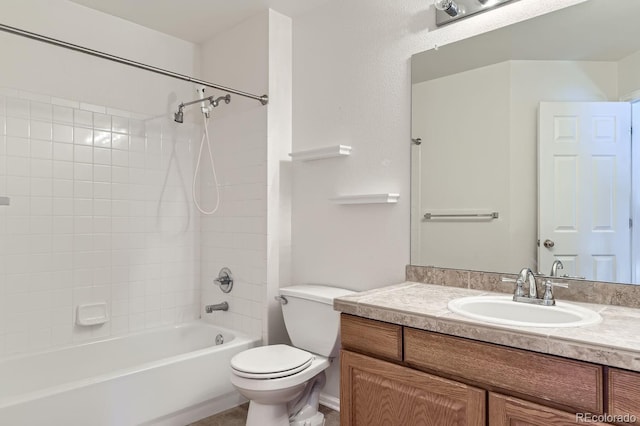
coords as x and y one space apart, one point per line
283 382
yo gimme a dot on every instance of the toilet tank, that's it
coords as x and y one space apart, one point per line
311 322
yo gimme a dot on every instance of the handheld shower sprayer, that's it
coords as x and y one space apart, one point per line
203 106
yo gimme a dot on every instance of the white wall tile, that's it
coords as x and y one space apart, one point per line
102 122
82 118
18 127
62 133
41 149
62 114
84 224
82 136
41 130
41 111
102 139
17 107
83 154
17 147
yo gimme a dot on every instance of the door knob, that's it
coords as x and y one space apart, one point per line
549 243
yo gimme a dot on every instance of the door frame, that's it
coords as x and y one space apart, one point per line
634 214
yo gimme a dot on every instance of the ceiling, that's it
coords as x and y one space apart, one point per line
590 31
195 20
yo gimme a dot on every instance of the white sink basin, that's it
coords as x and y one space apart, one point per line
503 310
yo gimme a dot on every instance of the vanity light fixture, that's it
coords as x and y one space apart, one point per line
451 10
449 7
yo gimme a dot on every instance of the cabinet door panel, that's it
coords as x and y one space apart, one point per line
509 411
624 393
379 393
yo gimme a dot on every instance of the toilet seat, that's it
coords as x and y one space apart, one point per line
271 362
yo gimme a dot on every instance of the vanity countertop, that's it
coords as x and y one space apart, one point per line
615 341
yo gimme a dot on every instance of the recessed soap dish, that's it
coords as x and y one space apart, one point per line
92 314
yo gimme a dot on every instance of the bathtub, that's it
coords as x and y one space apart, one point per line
166 376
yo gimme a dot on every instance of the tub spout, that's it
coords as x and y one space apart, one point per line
224 306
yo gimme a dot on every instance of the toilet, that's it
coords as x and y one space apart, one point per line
283 382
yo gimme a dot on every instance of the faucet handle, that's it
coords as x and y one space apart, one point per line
519 291
548 292
549 284
573 277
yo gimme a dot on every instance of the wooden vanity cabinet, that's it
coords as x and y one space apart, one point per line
379 393
394 375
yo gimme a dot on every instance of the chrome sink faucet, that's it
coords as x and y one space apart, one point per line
555 266
526 276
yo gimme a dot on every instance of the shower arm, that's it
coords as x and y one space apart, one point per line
211 100
264 99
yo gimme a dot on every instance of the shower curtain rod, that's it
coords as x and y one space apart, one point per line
264 99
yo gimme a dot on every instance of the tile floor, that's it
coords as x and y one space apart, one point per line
238 416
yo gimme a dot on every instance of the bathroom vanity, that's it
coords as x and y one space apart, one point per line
407 360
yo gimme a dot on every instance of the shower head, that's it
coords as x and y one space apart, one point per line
178 117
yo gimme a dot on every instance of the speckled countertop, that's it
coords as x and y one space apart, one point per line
615 341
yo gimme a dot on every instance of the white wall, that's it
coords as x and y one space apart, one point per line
629 77
278 172
99 210
352 85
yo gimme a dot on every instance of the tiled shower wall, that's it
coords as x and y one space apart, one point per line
101 211
236 235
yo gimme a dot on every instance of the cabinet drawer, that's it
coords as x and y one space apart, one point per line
571 384
624 393
372 337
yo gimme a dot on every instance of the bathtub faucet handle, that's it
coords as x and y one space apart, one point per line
224 280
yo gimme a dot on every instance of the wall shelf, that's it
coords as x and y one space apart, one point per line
321 153
388 198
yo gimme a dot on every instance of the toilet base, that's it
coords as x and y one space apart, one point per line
317 420
277 414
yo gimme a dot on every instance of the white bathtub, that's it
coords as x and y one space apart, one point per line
161 376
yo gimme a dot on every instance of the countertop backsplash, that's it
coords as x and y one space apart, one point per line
599 292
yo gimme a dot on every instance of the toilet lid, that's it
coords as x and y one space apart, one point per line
269 362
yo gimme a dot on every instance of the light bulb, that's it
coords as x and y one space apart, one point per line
448 6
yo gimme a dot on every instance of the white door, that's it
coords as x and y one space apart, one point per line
584 189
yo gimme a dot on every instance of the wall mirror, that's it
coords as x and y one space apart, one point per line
524 134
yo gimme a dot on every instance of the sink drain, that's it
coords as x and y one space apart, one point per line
219 339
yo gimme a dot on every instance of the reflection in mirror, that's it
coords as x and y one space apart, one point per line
531 121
